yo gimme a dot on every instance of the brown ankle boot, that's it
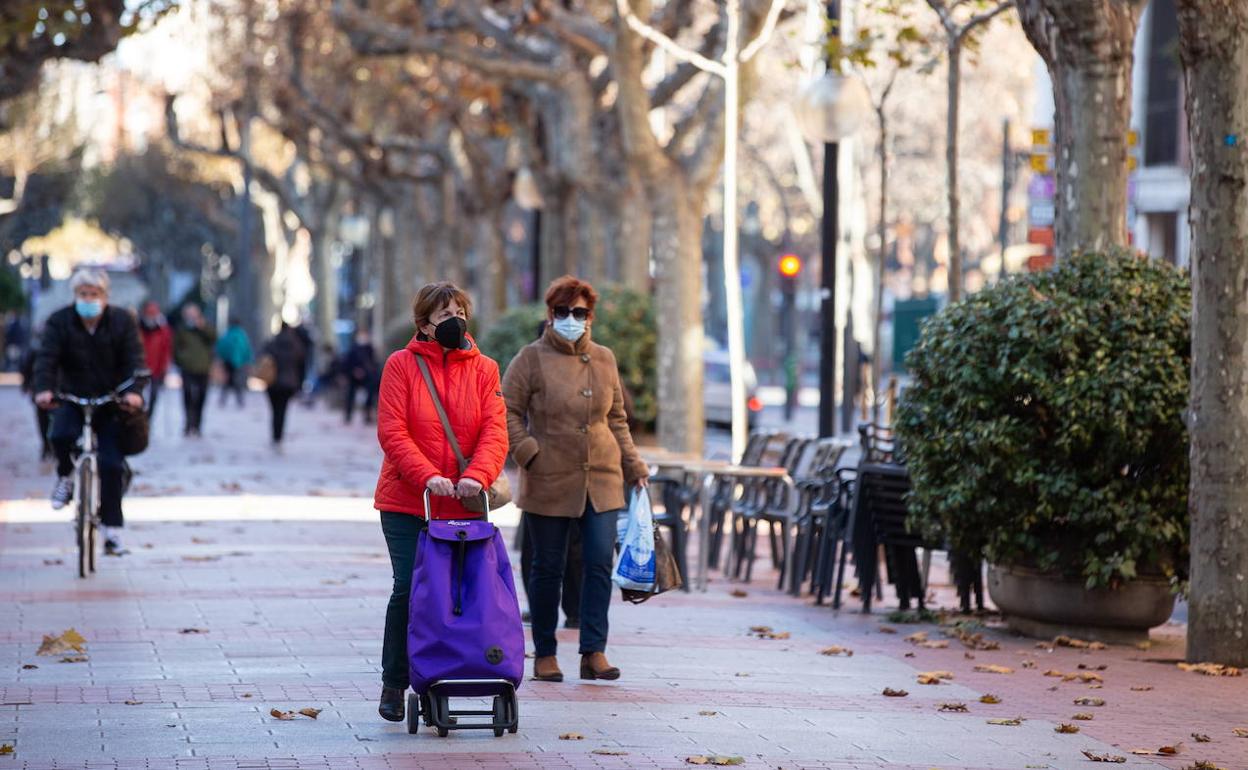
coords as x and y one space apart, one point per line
546 669
595 666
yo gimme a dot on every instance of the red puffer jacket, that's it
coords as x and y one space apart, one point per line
412 436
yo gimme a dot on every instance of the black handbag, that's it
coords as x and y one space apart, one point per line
134 431
666 573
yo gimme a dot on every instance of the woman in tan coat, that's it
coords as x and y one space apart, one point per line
569 435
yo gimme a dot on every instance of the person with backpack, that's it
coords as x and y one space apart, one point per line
288 359
569 435
418 456
192 352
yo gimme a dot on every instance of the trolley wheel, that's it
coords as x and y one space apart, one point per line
443 705
443 732
413 713
426 710
500 716
514 704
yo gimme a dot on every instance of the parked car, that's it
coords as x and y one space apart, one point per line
717 390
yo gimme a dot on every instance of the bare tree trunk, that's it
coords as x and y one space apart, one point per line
953 96
1214 43
1087 45
678 289
632 244
877 353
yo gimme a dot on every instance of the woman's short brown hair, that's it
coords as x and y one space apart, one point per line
566 290
432 297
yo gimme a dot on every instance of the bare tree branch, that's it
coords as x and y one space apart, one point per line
577 30
666 43
669 86
764 35
983 18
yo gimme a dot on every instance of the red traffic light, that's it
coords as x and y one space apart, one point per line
790 265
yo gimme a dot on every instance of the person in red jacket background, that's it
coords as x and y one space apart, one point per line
419 457
157 346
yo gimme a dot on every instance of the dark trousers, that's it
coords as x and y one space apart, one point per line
571 599
279 399
153 392
194 392
67 424
370 399
233 382
550 552
402 531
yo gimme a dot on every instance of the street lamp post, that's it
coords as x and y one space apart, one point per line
830 109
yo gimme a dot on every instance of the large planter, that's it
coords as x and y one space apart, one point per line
1044 606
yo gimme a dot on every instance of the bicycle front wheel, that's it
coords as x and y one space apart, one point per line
84 526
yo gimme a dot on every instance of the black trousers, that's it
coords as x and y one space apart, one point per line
550 543
570 599
370 399
402 531
279 399
43 419
67 422
194 393
233 382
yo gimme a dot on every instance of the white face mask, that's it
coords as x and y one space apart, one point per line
569 328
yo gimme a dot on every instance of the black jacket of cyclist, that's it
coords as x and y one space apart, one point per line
88 349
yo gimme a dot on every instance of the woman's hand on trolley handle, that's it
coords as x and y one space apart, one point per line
441 485
468 488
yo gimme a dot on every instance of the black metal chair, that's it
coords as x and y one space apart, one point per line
772 503
833 506
813 487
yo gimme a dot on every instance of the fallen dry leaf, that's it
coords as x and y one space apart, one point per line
701 759
248 695
935 644
610 752
992 668
1015 722
743 674
837 650
708 713
760 629
6 749
990 699
1097 646
1083 716
934 677
73 659
1066 728
1202 764
958 708
285 716
1029 664
1054 672
1066 641
969 655
909 655
201 558
53 562
1141 688
1088 676
311 712
887 630
890 692
202 541
737 593
571 737
133 702
1211 669
1201 738
1111 758
698 760
1240 732
1086 667
29 666
917 637
1164 751
193 631
68 641
1088 701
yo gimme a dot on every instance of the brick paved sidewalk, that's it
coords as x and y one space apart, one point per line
270 594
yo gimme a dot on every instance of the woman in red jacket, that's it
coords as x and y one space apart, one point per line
418 456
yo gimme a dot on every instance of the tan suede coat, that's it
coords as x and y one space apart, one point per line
567 427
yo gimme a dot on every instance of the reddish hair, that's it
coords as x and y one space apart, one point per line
435 296
566 290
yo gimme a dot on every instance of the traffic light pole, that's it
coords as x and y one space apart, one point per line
829 230
791 368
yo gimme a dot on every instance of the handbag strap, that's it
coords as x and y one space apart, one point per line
437 404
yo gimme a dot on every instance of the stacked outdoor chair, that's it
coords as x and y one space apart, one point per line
770 502
813 486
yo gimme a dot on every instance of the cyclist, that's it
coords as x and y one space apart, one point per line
88 349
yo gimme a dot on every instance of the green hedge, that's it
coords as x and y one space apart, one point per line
624 322
1045 421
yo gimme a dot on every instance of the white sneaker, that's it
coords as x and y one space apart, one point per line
63 492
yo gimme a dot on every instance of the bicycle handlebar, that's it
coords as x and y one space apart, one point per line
113 397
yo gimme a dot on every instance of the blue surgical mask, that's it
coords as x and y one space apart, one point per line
89 308
569 328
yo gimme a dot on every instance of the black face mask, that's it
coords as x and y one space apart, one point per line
450 333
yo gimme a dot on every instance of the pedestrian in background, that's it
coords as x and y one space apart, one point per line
157 348
569 435
43 418
362 373
193 352
419 457
234 350
289 357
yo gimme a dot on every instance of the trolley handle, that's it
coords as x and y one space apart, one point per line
485 496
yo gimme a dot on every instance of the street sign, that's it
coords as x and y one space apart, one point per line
1041 235
1042 187
1040 163
1041 137
1133 138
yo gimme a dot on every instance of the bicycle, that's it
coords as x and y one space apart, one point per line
87 475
